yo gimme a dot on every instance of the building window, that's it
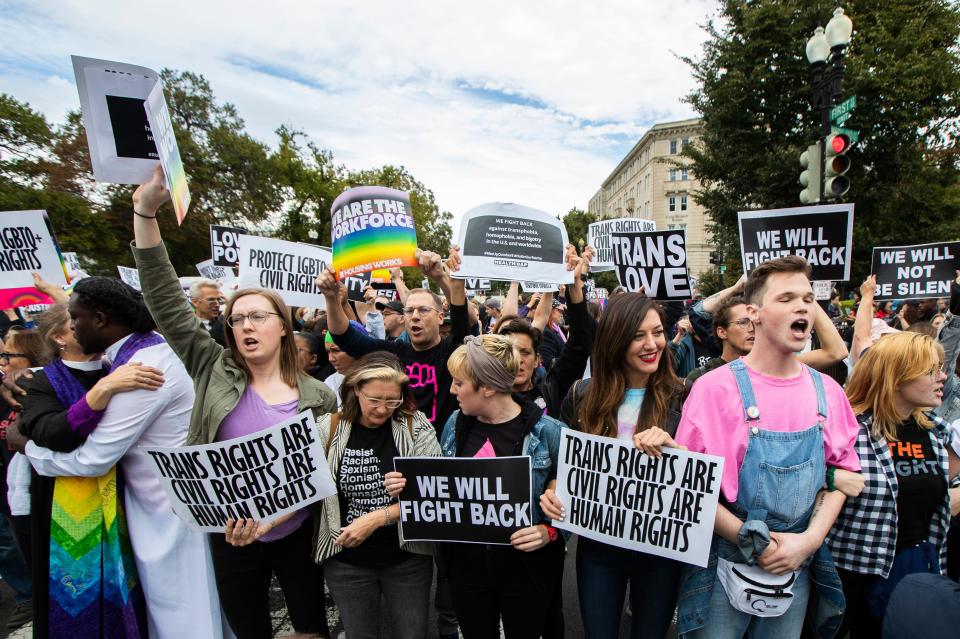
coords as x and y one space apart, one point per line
683 202
673 147
686 174
672 203
673 175
676 227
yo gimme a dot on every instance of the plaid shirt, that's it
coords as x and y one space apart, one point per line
864 537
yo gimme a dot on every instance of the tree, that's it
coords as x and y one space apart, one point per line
753 97
576 221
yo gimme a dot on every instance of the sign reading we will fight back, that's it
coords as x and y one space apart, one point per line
372 229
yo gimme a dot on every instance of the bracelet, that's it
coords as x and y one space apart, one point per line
831 486
386 516
146 217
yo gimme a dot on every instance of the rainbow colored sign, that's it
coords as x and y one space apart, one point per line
372 229
158 115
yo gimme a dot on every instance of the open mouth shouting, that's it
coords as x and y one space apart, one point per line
800 329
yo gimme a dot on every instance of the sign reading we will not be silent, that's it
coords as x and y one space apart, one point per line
372 228
261 476
915 272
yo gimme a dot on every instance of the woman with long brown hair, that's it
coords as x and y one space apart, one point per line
634 396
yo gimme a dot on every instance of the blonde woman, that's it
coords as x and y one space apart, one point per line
898 524
358 539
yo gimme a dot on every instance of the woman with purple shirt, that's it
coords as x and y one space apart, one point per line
247 386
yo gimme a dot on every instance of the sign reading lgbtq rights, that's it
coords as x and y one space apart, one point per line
289 268
27 244
372 229
260 476
614 493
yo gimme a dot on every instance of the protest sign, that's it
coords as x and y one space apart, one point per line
480 500
158 115
75 272
356 285
916 271
599 237
130 276
823 235
289 268
380 279
122 148
477 284
372 228
27 245
262 476
654 260
225 245
539 287
614 493
222 274
822 289
513 242
598 294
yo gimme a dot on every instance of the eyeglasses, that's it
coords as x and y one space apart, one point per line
377 402
746 322
214 300
421 310
255 317
5 357
937 370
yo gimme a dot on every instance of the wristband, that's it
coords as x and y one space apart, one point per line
551 532
386 516
830 478
146 217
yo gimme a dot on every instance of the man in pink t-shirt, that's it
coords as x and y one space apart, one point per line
778 425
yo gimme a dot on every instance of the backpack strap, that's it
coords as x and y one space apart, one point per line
334 426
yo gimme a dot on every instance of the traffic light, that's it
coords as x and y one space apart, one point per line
810 176
835 164
715 257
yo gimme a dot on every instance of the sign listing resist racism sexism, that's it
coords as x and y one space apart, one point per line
614 493
915 272
822 235
261 476
655 261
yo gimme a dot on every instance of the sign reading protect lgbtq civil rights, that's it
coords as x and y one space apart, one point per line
915 272
372 228
614 493
511 242
262 476
289 268
599 237
655 260
122 148
158 115
479 500
27 244
822 235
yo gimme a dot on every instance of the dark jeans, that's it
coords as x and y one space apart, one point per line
603 572
493 582
243 582
857 618
13 566
405 588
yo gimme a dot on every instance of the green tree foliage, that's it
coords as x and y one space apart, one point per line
753 96
576 221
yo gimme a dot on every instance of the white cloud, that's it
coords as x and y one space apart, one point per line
532 103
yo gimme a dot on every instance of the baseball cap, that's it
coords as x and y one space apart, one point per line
393 305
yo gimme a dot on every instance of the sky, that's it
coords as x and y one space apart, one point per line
533 103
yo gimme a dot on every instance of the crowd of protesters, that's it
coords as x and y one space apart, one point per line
836 425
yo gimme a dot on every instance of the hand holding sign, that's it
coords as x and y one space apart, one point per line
151 195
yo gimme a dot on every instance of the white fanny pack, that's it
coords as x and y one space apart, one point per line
754 590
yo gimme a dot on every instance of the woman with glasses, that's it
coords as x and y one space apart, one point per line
249 385
898 524
358 538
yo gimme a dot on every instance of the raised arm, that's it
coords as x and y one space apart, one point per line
542 315
714 301
396 276
832 348
511 303
864 320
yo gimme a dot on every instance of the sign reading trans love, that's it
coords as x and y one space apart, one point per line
823 235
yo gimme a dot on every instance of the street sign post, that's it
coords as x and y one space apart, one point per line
841 113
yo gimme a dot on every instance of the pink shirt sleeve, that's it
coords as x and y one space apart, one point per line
840 430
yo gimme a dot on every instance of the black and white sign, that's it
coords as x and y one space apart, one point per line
262 476
614 493
539 287
122 148
480 500
225 245
130 276
510 242
822 235
655 261
477 284
27 245
289 268
599 237
915 272
222 274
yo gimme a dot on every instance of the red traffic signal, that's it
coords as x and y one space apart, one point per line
839 143
835 164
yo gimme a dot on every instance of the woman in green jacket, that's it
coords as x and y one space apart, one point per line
250 385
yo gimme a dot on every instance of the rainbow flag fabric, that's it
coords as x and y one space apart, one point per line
372 228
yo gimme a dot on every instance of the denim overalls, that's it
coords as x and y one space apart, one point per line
778 482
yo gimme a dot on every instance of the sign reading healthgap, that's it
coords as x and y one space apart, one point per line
225 245
614 493
915 272
822 235
599 237
260 476
479 500
655 260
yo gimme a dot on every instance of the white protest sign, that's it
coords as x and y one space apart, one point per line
614 493
598 236
539 287
822 289
655 261
27 245
222 274
289 268
262 476
130 276
503 241
158 115
122 149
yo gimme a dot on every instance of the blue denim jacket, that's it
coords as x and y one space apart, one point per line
542 444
